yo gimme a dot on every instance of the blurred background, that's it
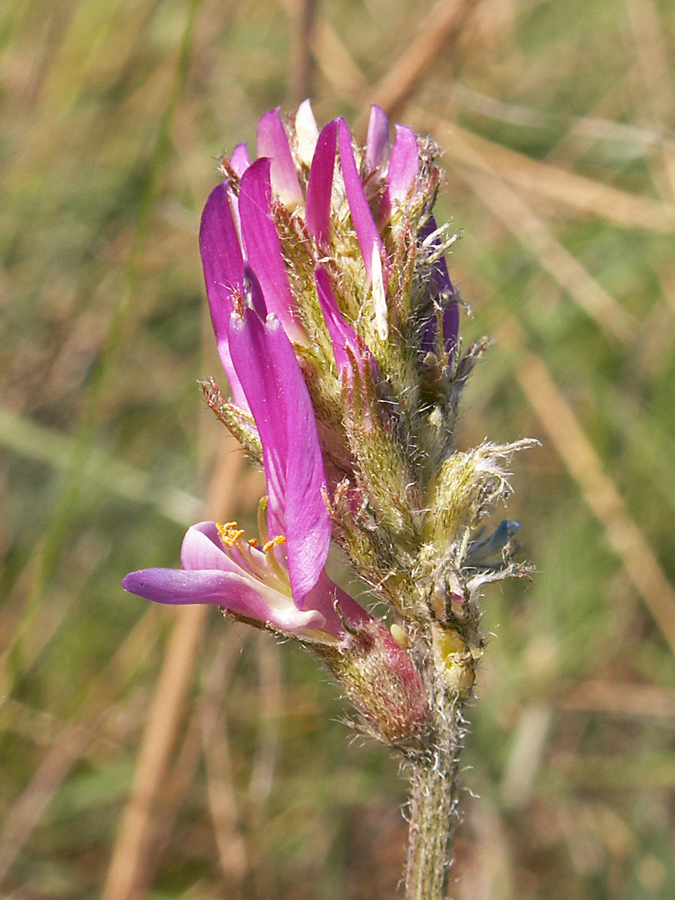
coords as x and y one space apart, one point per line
155 753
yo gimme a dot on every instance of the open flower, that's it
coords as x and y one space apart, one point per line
281 583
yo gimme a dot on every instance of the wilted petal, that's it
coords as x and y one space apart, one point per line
377 141
306 132
272 142
320 186
283 412
403 165
263 247
364 224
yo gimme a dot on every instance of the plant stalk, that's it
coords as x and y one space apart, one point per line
434 803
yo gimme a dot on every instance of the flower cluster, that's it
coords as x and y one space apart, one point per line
337 326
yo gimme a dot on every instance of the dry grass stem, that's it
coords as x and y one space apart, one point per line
221 794
542 179
533 233
657 103
158 741
72 742
620 699
436 34
300 81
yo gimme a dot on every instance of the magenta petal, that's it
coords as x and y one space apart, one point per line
223 274
175 586
403 165
364 224
377 141
263 247
221 257
202 549
272 142
238 593
320 186
281 406
240 160
325 596
342 335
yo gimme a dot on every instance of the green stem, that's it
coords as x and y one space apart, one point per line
433 805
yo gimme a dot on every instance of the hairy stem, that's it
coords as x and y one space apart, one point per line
433 805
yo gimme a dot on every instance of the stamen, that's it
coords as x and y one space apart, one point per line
253 542
262 520
279 539
229 533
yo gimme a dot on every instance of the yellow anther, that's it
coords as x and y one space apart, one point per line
229 534
253 542
279 539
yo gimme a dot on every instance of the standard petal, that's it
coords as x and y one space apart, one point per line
306 132
403 165
263 247
223 274
364 224
280 403
272 142
342 335
320 186
240 160
221 256
377 141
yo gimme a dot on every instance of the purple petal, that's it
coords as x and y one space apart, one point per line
377 141
280 403
238 593
320 186
342 335
443 292
223 274
240 160
263 247
364 224
272 142
324 597
202 549
403 165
